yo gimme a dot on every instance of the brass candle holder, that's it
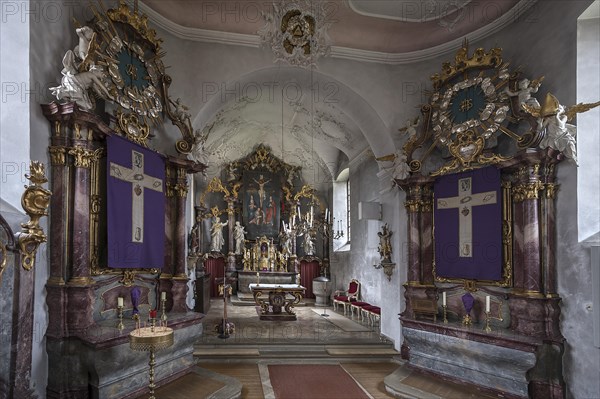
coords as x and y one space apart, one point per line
487 327
120 325
163 314
445 309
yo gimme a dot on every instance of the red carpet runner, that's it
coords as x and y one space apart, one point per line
313 382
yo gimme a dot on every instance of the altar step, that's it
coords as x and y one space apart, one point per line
250 353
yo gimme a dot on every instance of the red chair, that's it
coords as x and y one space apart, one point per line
346 297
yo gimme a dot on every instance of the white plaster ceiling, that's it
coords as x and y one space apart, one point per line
301 126
320 136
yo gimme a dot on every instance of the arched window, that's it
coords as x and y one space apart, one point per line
341 212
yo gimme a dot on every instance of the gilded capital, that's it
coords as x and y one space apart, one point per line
57 155
527 191
412 205
83 157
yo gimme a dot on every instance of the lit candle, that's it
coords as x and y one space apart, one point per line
120 302
487 303
163 296
444 298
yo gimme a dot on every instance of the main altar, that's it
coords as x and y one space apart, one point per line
260 222
272 298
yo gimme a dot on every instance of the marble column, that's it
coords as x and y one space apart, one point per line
179 288
80 294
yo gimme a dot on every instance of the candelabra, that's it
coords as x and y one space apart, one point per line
120 325
488 317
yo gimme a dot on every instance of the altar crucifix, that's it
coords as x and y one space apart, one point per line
136 205
468 225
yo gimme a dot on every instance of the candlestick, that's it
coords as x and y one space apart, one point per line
487 303
120 325
444 298
445 308
487 327
257 278
163 305
120 302
163 295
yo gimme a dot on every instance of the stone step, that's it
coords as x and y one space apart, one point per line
238 352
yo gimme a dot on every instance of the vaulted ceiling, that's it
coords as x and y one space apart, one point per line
320 136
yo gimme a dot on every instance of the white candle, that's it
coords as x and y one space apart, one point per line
487 303
163 296
120 302
327 214
444 298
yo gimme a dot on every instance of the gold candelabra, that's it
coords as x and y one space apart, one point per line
487 327
120 324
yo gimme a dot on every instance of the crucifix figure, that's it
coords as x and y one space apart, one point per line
139 181
464 202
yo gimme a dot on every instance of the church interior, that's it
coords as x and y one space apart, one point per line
300 198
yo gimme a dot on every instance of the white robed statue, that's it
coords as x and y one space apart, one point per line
216 234
239 234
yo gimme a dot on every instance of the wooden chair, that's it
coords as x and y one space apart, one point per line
346 297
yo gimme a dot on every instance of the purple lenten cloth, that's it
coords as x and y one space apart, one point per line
468 302
136 293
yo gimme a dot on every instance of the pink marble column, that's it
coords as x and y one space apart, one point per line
80 295
180 280
426 232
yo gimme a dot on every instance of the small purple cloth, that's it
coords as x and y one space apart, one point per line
136 293
468 302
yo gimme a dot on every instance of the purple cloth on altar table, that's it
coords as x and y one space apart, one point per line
486 260
122 251
468 302
136 293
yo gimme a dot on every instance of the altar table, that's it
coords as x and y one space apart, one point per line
273 297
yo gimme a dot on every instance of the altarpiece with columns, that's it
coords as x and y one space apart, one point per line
479 172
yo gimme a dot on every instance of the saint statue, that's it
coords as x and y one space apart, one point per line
385 246
216 233
239 235
309 243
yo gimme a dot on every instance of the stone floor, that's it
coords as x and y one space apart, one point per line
309 328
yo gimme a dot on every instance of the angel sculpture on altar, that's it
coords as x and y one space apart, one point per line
553 117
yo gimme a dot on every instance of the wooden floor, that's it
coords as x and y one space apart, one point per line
247 374
369 375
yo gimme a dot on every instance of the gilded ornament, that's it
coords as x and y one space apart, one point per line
35 201
527 191
551 189
128 278
57 155
462 62
412 205
83 156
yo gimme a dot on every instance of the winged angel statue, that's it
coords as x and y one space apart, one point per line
553 117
